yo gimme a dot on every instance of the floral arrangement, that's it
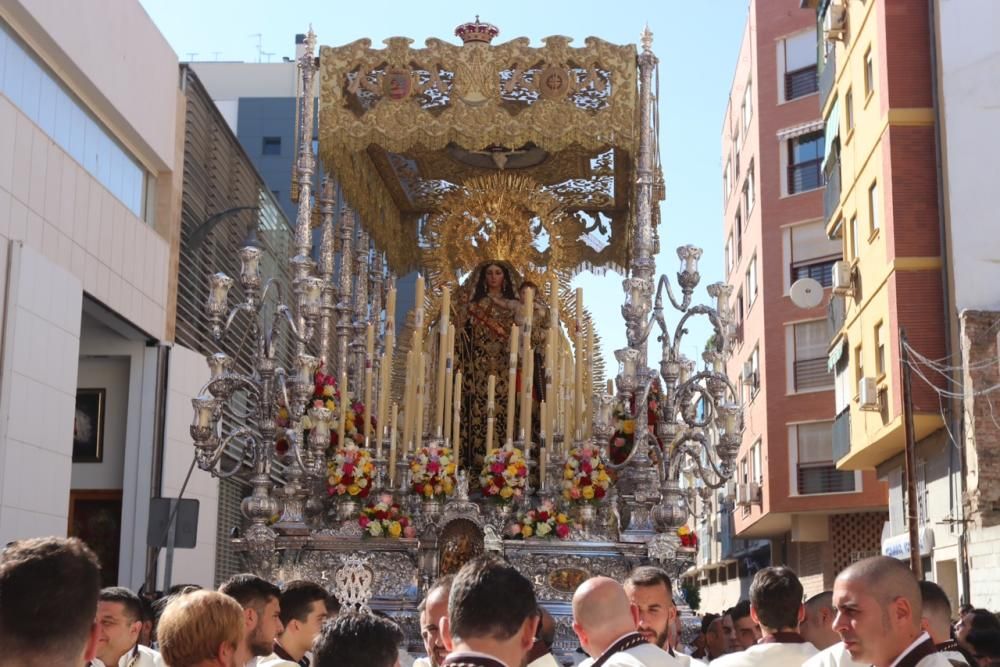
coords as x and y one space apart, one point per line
385 519
688 537
585 479
326 394
433 472
545 521
349 471
504 474
624 436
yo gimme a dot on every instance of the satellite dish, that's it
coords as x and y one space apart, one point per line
806 293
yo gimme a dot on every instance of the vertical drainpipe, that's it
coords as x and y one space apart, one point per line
159 438
957 428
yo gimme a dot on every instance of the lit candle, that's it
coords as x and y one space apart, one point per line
578 377
392 446
527 366
444 368
449 378
457 417
342 415
491 386
544 450
369 361
512 381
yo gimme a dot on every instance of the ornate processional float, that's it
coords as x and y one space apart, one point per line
383 453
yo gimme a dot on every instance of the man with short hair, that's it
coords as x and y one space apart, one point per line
201 629
303 612
650 591
975 619
605 622
776 606
545 636
746 630
358 640
492 615
719 636
936 621
817 626
433 608
878 615
48 602
119 622
261 602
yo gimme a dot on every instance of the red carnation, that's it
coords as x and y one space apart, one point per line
599 492
498 481
562 530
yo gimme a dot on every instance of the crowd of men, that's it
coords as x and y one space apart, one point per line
54 612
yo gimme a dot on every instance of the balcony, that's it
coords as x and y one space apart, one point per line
801 82
824 478
842 435
812 374
807 175
831 196
827 76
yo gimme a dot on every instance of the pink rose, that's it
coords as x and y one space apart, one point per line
497 468
574 493
562 530
409 531
363 521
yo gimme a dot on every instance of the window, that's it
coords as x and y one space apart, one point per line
747 105
754 371
817 471
873 206
748 193
752 281
811 341
854 237
726 185
738 312
800 65
859 365
729 255
271 146
813 254
805 162
738 227
869 73
879 350
849 109
756 464
40 95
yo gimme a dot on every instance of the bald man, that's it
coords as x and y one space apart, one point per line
878 617
936 621
817 626
605 622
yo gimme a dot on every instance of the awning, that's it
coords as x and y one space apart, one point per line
835 355
832 131
786 133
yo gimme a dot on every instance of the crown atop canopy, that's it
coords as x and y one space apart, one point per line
477 31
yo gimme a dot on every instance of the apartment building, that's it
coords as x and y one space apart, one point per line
882 203
789 491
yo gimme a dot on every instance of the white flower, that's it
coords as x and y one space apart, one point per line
375 528
542 529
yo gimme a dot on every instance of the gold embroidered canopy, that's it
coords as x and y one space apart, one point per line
402 127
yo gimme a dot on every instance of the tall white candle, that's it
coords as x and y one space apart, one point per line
491 385
512 381
392 445
578 367
449 378
369 364
457 418
442 369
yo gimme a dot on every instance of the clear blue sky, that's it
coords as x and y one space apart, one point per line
697 44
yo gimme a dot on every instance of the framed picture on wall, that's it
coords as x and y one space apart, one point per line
96 518
88 426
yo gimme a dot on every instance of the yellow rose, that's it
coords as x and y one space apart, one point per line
450 470
511 470
395 530
566 494
588 492
415 467
562 518
506 492
628 427
568 474
283 413
428 490
354 489
369 468
328 390
330 405
526 531
447 486
602 476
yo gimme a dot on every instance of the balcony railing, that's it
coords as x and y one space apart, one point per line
831 196
821 271
801 82
827 77
804 176
824 478
842 435
812 374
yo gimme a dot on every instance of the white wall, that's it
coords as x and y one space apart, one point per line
113 57
37 393
110 374
186 376
970 81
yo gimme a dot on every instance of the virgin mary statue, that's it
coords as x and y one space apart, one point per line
487 305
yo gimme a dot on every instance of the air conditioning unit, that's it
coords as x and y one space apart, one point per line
753 489
842 278
835 22
747 494
868 394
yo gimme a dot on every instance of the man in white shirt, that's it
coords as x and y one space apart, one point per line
878 615
605 622
817 626
776 606
303 611
201 629
936 621
119 622
433 608
649 590
261 602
